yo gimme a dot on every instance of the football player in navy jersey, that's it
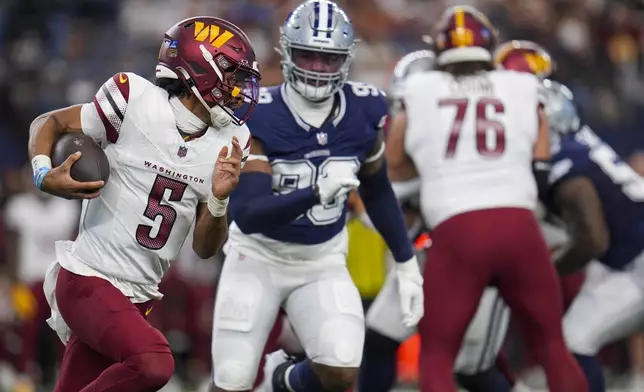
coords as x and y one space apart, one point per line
601 199
315 138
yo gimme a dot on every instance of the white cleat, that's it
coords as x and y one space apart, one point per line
272 361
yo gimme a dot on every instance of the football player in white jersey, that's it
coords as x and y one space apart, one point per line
475 362
175 152
485 335
471 136
315 138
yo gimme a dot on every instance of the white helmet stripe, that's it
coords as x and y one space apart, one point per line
322 18
321 26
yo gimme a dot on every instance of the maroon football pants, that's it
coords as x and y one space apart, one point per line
503 247
113 347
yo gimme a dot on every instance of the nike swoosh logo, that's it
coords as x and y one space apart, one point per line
150 308
122 78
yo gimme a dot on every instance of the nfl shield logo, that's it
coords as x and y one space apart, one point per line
323 138
183 150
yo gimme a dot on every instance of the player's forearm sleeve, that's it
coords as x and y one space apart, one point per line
385 213
255 209
541 171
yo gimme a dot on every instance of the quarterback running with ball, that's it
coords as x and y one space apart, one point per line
175 151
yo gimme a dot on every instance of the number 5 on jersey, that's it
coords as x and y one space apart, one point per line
489 134
155 208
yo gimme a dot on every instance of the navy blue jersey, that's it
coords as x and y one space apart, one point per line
299 153
620 189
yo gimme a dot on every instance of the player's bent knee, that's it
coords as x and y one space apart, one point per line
154 369
335 379
579 342
341 342
234 358
578 335
213 388
231 375
337 363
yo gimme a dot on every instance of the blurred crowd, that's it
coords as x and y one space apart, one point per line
58 52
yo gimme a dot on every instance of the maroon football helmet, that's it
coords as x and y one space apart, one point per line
216 61
464 35
524 56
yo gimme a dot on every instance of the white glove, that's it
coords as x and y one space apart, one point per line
330 187
410 290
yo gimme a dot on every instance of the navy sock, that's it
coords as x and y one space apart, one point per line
302 379
488 381
593 371
378 369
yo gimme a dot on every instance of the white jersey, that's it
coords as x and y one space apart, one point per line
472 140
138 224
39 221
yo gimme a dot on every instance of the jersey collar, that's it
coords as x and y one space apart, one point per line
340 108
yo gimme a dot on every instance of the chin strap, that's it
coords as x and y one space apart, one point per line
219 117
186 121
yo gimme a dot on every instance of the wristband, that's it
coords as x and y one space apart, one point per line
217 207
41 165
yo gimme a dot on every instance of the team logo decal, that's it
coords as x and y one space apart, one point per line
323 138
183 150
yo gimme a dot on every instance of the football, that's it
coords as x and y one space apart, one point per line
93 164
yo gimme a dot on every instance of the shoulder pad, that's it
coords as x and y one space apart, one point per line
113 99
371 100
129 84
412 63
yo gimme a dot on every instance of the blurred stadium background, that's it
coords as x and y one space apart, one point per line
55 53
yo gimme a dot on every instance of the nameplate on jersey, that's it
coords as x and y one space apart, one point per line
172 173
